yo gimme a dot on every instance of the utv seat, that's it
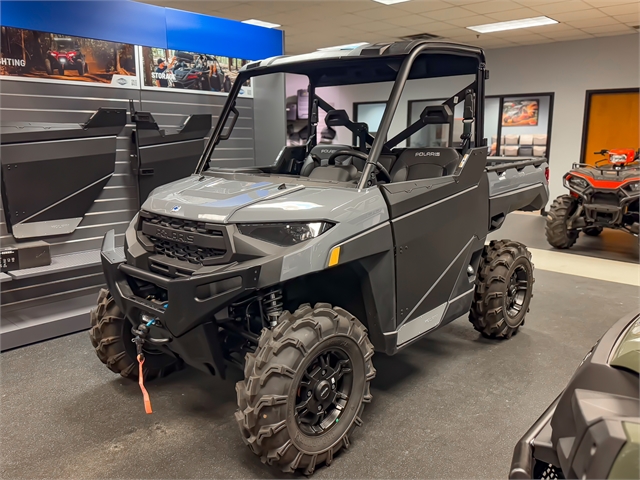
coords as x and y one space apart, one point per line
323 152
421 163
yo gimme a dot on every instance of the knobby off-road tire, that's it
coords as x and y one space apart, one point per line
504 288
274 386
592 231
111 336
556 230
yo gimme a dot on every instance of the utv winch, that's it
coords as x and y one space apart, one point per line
298 271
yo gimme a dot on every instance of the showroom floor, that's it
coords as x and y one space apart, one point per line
451 406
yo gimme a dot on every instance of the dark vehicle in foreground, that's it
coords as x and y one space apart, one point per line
604 195
65 54
592 430
298 271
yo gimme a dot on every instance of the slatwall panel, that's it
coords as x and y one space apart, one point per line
22 101
170 110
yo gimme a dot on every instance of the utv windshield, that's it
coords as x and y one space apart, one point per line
64 44
367 142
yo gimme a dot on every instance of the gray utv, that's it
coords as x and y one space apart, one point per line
298 271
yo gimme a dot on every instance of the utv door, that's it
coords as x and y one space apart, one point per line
439 227
164 157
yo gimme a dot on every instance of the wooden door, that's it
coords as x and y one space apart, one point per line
612 122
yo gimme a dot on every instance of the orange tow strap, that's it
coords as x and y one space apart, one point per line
145 394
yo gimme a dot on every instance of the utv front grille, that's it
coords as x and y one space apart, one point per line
198 243
605 198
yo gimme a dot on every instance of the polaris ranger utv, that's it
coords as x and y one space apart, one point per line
298 271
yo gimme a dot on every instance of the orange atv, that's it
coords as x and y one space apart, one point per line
601 195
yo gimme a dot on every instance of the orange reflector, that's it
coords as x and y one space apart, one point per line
334 258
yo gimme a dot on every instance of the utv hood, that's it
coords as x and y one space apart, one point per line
219 200
211 199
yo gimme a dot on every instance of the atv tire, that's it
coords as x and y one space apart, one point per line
556 230
592 231
81 70
276 396
111 336
47 66
504 288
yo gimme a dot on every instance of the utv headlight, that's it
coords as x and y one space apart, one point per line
284 234
579 183
634 187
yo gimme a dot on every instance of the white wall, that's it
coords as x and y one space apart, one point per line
568 69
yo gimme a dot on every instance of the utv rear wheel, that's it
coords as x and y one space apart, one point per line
47 66
305 388
111 337
558 235
504 287
592 231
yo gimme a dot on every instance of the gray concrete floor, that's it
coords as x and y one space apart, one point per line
451 406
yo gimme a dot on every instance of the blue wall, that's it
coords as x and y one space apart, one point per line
141 24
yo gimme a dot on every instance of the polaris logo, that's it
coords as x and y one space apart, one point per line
174 236
326 150
122 81
427 154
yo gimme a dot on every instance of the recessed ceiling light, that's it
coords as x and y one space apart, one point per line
348 46
260 23
513 24
390 2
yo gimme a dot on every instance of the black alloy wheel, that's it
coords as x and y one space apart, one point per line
324 391
517 291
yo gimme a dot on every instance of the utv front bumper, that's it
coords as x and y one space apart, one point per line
186 319
589 429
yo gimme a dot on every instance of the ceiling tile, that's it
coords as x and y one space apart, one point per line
453 32
579 15
628 19
492 6
612 34
470 21
436 27
401 32
381 13
449 14
566 34
618 27
594 22
409 21
532 3
513 14
608 3
347 20
562 7
556 27
372 26
422 6
622 9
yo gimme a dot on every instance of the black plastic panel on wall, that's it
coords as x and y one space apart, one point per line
24 101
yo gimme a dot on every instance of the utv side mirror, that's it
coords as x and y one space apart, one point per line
234 119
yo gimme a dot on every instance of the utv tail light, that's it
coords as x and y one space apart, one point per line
546 173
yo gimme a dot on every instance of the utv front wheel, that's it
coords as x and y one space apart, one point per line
111 337
305 388
504 287
558 235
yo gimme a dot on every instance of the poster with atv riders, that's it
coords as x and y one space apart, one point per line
191 71
51 56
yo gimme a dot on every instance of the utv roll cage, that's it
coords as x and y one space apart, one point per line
374 63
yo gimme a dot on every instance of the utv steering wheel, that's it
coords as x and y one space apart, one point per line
362 156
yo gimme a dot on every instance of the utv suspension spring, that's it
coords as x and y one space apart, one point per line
272 304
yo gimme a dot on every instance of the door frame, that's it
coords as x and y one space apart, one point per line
587 111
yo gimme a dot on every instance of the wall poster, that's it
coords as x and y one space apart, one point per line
45 55
165 68
520 113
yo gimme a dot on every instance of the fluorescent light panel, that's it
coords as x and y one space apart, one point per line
390 2
348 46
260 23
513 24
